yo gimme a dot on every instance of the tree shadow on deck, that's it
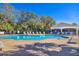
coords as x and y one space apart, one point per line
69 51
25 50
39 49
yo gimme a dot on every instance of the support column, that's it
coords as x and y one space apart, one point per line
61 31
76 31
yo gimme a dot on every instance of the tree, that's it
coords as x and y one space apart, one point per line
30 25
47 22
1 17
26 21
7 17
8 12
1 26
25 16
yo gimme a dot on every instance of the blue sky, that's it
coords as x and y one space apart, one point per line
68 13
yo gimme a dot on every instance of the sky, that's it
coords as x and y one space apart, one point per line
60 12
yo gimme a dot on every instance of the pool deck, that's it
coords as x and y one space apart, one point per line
10 45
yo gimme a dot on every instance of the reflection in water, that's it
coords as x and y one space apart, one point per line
24 37
17 37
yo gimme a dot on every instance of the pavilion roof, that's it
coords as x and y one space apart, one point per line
64 25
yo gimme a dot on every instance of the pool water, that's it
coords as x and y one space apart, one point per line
31 37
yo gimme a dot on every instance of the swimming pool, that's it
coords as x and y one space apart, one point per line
31 37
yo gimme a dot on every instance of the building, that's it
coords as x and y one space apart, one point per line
65 29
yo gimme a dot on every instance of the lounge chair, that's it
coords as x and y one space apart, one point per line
30 32
63 33
18 32
51 32
43 32
40 33
58 33
37 33
68 33
1 32
24 32
33 33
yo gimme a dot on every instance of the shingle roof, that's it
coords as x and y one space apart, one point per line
64 25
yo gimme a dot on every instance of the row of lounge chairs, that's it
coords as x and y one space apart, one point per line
18 32
64 33
33 33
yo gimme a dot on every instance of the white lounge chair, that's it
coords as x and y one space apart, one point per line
24 32
37 33
18 32
33 33
28 33
43 32
1 32
40 33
